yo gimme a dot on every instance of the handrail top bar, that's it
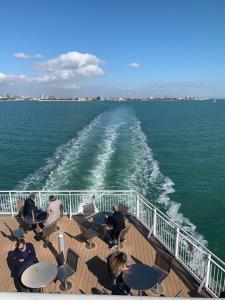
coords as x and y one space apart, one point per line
68 191
55 296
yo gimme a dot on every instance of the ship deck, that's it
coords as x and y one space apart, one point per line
92 273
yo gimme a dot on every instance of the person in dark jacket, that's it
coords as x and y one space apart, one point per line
23 256
31 211
118 224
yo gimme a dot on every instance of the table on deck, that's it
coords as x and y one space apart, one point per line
140 277
99 220
39 275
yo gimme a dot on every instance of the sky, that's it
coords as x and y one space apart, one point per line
117 48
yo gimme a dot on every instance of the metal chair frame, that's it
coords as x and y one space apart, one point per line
88 234
67 269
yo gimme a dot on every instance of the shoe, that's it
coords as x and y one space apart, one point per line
112 245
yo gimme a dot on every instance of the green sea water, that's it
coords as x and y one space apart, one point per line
172 152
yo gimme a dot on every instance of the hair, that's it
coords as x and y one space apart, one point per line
20 241
115 208
32 196
52 198
117 263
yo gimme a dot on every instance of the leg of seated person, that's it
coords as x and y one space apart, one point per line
109 238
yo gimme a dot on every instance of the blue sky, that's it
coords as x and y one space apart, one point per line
113 48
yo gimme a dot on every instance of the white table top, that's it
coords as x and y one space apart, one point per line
39 275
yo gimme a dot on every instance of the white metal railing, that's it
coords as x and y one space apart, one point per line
203 265
47 296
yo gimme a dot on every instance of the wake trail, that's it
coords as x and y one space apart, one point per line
146 178
113 122
54 174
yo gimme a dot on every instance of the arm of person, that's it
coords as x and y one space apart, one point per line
32 254
109 220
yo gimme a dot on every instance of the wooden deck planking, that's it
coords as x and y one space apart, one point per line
92 268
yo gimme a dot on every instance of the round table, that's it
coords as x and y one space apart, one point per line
140 277
99 222
99 218
39 275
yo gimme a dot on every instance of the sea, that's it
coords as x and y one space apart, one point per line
172 152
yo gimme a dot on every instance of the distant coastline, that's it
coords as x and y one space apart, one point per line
101 99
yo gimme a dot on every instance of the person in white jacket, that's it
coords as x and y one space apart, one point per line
53 211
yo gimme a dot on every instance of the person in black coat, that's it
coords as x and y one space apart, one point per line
117 222
23 256
31 211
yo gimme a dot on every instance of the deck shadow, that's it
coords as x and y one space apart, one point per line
78 237
99 269
9 237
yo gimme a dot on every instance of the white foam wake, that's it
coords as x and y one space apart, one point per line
106 150
147 178
55 173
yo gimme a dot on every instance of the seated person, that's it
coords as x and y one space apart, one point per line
31 211
118 223
53 211
117 264
24 256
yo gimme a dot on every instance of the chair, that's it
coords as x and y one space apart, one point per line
121 237
61 210
162 266
88 210
67 269
17 233
19 208
88 234
123 209
47 231
109 260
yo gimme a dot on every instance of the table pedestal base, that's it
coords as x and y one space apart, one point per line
65 286
158 289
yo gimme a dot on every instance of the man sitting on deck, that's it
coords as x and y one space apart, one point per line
53 211
24 256
30 210
118 224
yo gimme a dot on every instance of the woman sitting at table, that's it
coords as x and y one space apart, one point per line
24 256
53 211
117 263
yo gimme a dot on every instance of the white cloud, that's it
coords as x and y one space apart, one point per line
21 55
71 86
73 64
134 65
65 71
25 56
38 55
11 78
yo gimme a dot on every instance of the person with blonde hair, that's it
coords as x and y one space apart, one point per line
117 263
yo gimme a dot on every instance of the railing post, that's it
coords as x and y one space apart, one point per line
137 207
70 206
208 271
11 204
154 221
40 201
177 242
